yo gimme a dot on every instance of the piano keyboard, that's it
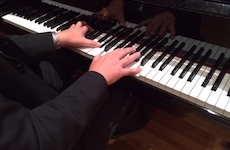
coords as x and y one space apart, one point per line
193 70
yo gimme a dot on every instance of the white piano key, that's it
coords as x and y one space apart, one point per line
68 7
153 71
173 81
194 93
177 88
223 98
206 91
182 81
214 95
160 74
164 80
226 112
25 24
190 85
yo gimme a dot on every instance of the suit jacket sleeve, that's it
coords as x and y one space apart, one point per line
57 124
34 44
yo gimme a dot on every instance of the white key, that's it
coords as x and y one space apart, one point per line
214 95
160 74
25 24
223 98
164 80
205 92
227 110
190 85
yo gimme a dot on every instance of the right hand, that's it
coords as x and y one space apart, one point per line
115 65
114 11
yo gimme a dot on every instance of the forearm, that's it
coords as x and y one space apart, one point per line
57 124
34 44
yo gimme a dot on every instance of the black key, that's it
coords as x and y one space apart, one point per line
73 21
146 42
150 45
211 72
187 55
171 47
128 39
63 18
91 35
50 22
199 65
191 62
135 40
50 15
166 62
118 38
114 33
153 51
221 75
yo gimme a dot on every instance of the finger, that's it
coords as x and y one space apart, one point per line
78 24
104 12
91 43
128 60
163 29
132 71
124 52
84 29
143 23
122 21
172 31
152 28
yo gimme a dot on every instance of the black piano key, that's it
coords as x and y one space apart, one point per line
128 39
228 94
150 45
50 15
146 42
95 33
63 18
70 22
171 47
166 62
136 40
191 62
153 51
110 33
41 11
50 22
23 11
113 42
199 65
221 75
211 72
187 55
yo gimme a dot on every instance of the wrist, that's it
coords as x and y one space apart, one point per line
56 40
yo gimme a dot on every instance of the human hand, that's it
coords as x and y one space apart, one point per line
115 65
114 11
74 36
159 24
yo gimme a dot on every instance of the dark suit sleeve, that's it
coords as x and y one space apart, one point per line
34 44
57 124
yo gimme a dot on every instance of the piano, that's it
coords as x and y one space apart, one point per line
192 70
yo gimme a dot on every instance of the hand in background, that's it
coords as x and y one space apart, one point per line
115 65
160 24
74 36
114 11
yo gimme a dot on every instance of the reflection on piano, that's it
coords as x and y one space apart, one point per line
193 70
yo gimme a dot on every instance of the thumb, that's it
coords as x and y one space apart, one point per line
91 43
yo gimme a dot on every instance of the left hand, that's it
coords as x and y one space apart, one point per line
159 24
114 11
74 36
